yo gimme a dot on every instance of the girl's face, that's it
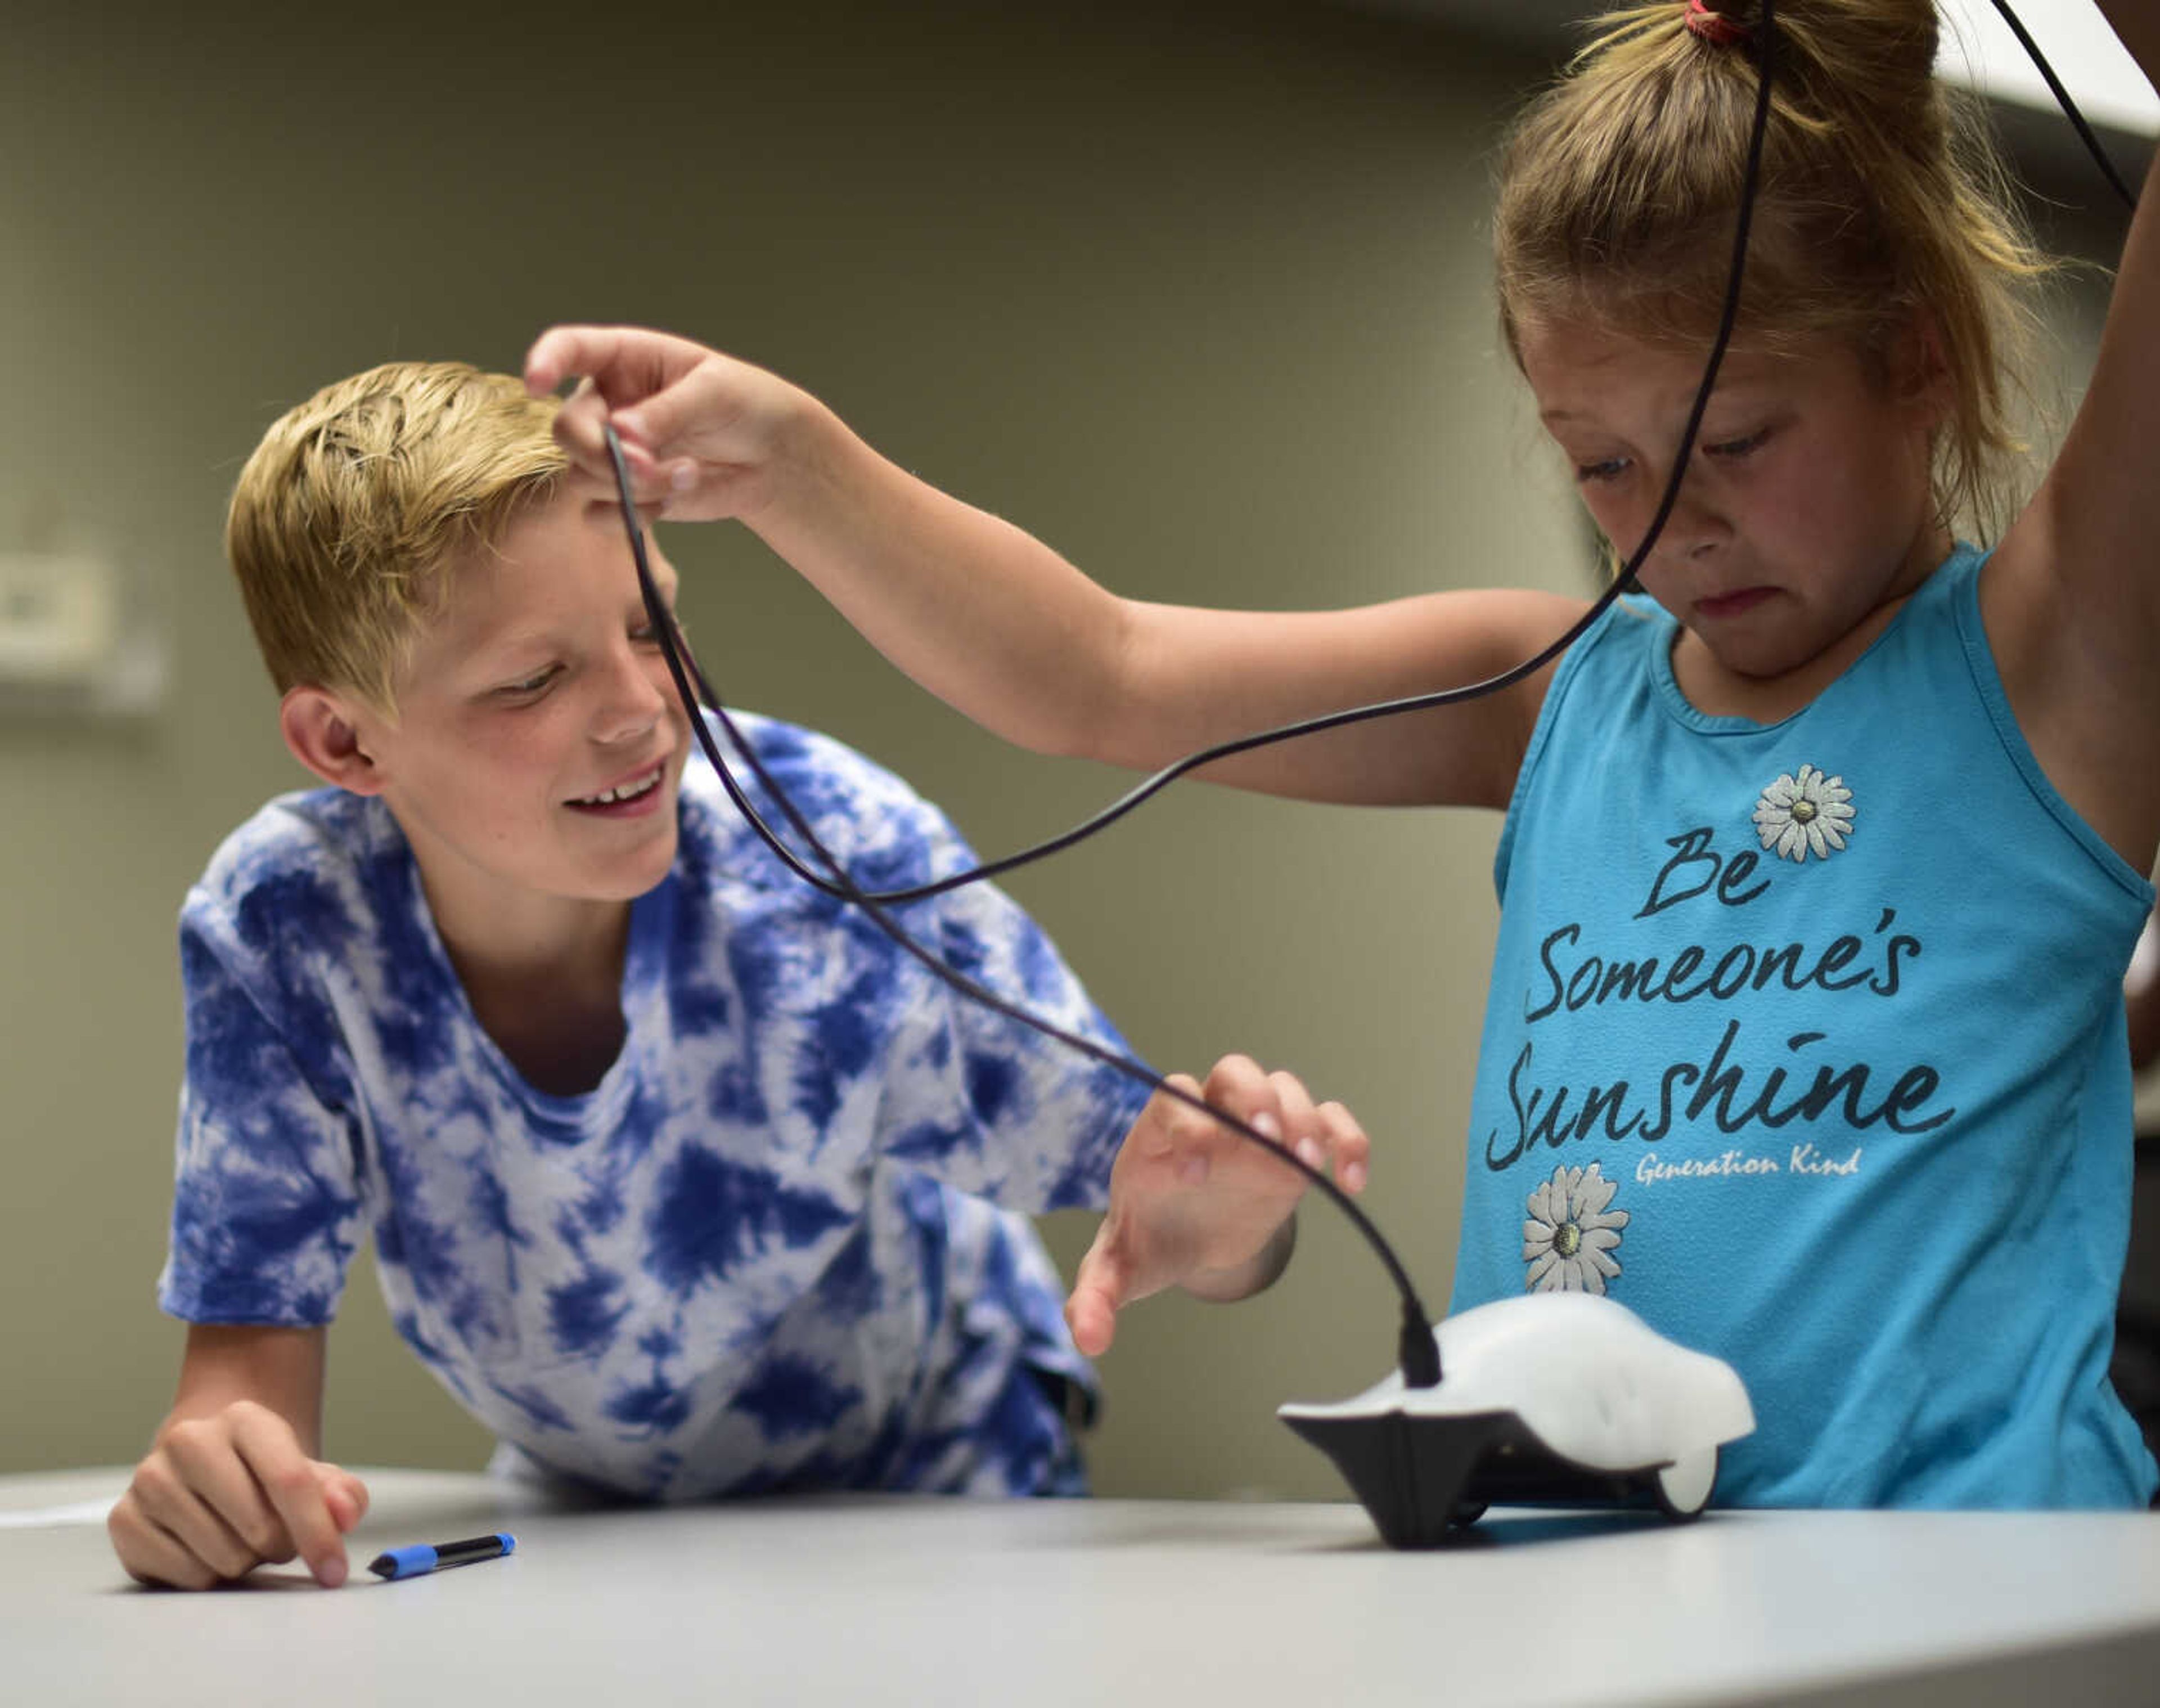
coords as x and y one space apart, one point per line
1808 506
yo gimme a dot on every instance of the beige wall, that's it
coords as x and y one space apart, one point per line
1202 301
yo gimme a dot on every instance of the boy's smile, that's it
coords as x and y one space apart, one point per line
633 797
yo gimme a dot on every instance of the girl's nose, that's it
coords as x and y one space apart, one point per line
1695 528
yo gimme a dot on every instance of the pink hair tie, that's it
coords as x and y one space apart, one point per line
1714 26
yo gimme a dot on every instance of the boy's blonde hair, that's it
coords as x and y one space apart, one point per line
1880 206
350 512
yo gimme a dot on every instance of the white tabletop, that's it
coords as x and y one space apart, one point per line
888 1600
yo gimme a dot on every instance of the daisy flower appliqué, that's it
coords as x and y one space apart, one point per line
1810 813
1569 1238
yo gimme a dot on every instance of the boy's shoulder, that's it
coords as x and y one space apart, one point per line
890 835
297 869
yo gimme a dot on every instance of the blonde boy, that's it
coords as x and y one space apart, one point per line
682 1179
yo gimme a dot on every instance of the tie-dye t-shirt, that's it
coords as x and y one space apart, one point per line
780 1244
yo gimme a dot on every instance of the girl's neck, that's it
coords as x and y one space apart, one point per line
1718 692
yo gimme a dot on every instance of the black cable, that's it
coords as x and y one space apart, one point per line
1621 582
1420 1351
1420 1354
1193 761
2069 108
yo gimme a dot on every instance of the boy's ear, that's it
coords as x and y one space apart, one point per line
324 733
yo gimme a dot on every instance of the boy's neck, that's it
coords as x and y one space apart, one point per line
545 982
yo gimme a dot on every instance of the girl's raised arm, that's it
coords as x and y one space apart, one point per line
1001 627
2072 598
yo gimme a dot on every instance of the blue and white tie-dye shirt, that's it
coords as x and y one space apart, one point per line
779 1245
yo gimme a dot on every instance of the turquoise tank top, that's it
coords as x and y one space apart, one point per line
1806 1042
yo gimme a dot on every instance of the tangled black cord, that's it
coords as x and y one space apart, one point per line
1419 1351
2069 108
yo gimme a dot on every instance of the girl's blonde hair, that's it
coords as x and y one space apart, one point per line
345 519
1882 207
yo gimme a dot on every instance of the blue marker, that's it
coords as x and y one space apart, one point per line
420 1558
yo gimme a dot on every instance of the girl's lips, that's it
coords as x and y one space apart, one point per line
1731 605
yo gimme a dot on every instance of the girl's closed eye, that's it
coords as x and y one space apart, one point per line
1732 448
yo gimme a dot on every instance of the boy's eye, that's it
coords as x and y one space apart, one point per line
1608 470
530 685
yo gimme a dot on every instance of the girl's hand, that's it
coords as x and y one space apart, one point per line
1194 1204
699 430
221 1494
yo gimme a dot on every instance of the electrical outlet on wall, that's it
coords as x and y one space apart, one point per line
60 618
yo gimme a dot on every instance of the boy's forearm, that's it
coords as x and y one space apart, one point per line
980 613
281 1368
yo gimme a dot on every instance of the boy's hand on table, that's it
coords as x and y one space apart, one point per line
698 428
221 1494
1193 1204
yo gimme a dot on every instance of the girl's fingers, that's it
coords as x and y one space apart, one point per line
578 425
628 362
554 356
579 430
